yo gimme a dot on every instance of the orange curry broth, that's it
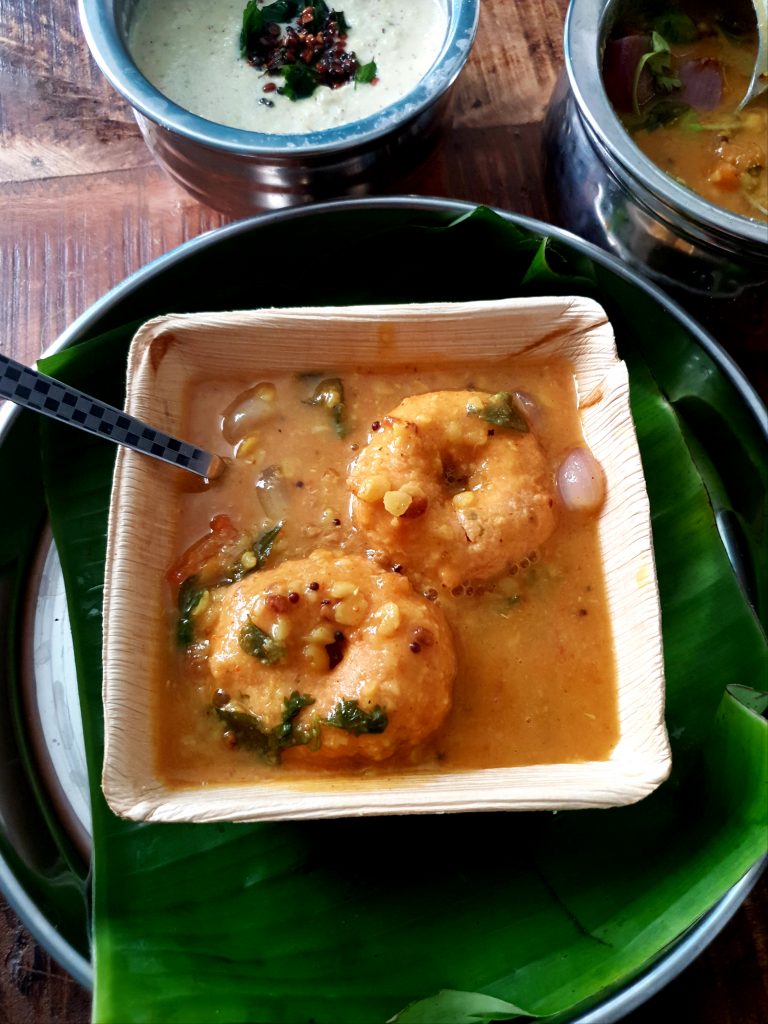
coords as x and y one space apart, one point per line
718 153
536 673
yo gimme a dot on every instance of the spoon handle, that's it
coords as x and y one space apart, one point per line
25 386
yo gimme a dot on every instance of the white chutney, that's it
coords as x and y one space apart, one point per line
190 51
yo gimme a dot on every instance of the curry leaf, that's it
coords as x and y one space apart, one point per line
320 14
341 22
300 81
262 546
253 24
280 11
664 112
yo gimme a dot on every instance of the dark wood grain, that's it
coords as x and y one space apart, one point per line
82 205
33 988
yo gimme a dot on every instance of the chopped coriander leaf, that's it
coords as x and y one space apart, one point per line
189 597
348 715
501 410
291 707
329 394
253 558
658 62
366 72
251 733
261 645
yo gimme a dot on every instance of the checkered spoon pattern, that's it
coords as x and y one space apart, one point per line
34 390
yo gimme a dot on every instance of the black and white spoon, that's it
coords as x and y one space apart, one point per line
25 386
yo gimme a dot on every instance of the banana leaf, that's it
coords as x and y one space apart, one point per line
446 919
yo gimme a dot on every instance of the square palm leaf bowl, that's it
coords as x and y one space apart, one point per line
169 353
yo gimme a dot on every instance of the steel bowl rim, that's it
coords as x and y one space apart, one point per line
585 25
110 52
702 932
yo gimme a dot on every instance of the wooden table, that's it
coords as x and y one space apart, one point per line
82 205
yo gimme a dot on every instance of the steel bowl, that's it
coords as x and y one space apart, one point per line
601 186
241 172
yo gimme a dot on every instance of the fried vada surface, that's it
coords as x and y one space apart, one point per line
371 655
451 494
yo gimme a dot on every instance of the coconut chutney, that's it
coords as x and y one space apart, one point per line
190 51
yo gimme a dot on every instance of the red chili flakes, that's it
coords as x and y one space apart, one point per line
314 39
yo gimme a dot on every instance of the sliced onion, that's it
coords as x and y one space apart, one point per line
581 481
274 493
247 411
530 407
